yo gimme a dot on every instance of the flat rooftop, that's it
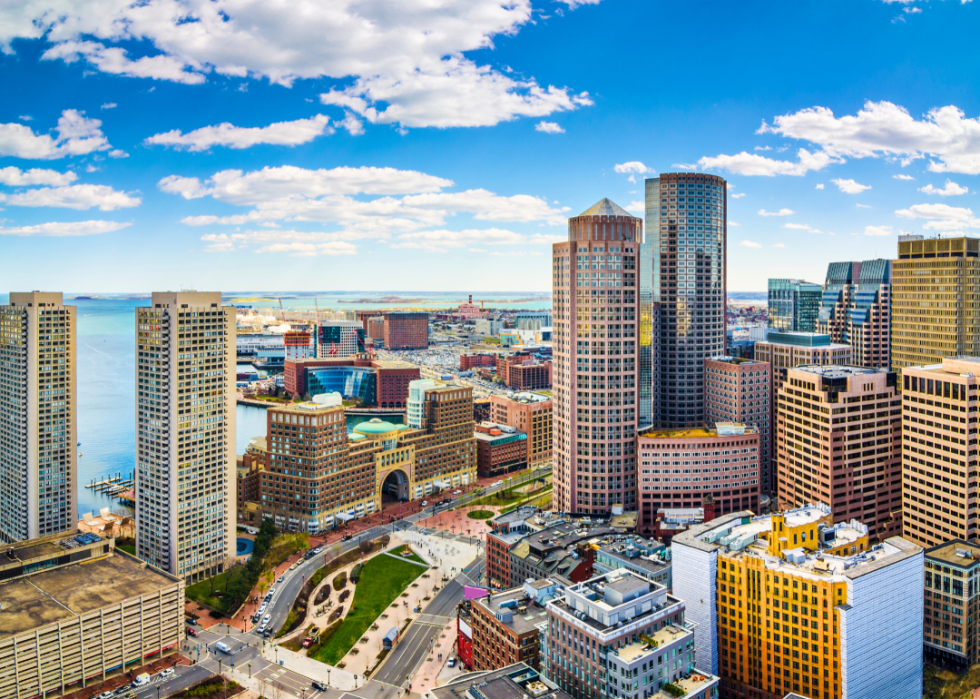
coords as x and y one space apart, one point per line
524 621
957 553
699 432
34 600
833 371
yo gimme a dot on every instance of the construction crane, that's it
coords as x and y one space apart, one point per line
282 310
316 328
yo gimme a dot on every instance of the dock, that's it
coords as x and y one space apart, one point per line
111 485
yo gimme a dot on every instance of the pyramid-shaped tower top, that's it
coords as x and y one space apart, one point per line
605 207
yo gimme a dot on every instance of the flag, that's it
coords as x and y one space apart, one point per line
470 592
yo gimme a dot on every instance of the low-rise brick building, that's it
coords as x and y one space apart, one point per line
530 413
505 625
499 452
523 371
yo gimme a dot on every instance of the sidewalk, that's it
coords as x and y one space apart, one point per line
431 673
314 669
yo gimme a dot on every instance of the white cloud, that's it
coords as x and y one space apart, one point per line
637 206
116 153
757 165
913 10
77 196
941 217
26 117
732 223
850 186
781 212
902 177
750 244
685 166
408 200
951 189
109 105
283 133
442 240
548 127
886 129
66 229
877 230
572 4
738 196
862 206
779 245
819 186
77 135
634 167
408 57
801 227
15 177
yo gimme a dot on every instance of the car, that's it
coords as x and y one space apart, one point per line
318 549
266 619
267 633
424 503
122 690
142 679
319 686
293 566
166 673
452 662
271 592
348 537
191 622
256 617
104 695
457 492
281 578
192 632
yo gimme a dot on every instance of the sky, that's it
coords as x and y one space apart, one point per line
429 145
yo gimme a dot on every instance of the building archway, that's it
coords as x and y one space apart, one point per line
395 487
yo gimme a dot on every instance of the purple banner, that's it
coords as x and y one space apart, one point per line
470 592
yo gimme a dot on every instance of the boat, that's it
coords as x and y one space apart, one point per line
80 454
79 444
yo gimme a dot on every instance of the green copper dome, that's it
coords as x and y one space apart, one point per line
375 426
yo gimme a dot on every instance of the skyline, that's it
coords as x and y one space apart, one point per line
197 173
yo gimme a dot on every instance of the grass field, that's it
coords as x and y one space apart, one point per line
128 548
201 591
480 514
383 579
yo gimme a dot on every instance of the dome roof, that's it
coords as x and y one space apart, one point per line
375 426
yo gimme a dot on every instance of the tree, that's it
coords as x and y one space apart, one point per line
365 547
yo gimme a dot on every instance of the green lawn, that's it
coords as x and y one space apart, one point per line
128 548
201 591
383 579
480 514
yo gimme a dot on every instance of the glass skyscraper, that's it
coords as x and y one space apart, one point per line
793 305
682 293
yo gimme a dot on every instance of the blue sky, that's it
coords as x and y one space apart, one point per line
413 145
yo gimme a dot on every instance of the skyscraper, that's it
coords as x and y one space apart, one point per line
934 309
793 305
38 428
685 249
185 433
595 308
855 310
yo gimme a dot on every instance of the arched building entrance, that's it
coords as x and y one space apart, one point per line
395 487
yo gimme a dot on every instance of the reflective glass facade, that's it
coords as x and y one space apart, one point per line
793 305
349 381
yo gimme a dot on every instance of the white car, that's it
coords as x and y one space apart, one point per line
457 492
166 673
270 593
281 578
105 695
265 619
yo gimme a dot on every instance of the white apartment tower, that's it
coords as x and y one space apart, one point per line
38 427
185 433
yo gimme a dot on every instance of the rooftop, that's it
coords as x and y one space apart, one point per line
701 432
31 601
516 681
606 207
514 609
957 553
835 371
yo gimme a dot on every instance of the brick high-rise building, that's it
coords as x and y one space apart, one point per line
940 411
793 305
38 423
935 284
952 605
406 330
685 255
505 625
530 413
855 310
185 433
523 372
839 442
740 391
595 308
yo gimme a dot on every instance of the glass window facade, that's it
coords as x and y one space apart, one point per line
349 381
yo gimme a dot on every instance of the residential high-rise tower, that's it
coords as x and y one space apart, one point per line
683 293
595 308
38 426
855 310
185 433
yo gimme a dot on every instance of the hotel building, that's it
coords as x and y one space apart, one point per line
683 291
619 635
680 468
740 391
76 611
856 310
940 408
38 423
839 442
790 602
935 284
185 433
595 361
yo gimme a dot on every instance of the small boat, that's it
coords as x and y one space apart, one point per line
80 454
79 444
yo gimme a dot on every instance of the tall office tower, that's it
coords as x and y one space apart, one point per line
855 310
38 427
339 338
758 589
935 284
185 433
685 251
839 441
793 305
406 330
740 390
940 411
595 360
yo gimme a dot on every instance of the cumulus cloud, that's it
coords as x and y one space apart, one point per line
738 196
902 177
77 135
548 127
405 66
819 186
850 186
781 212
751 164
15 177
862 206
801 227
78 196
732 223
633 167
572 4
109 105
442 240
941 217
283 133
637 206
877 230
403 200
779 245
750 244
66 229
950 189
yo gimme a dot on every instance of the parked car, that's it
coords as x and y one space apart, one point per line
167 673
271 592
424 503
191 622
348 536
317 550
319 686
266 619
122 690
281 578
452 662
457 492
104 695
192 632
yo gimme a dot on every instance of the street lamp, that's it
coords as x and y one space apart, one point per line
250 671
